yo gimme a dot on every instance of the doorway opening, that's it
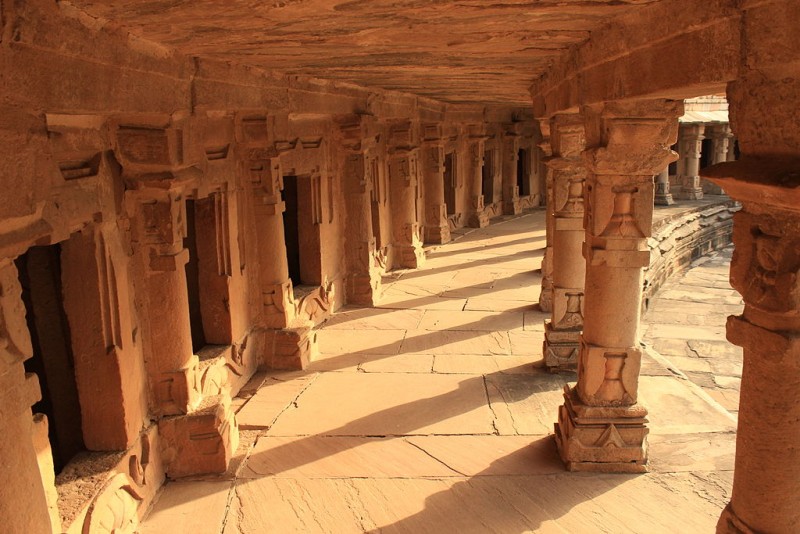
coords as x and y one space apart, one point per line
450 183
523 173
487 177
53 360
707 153
300 230
208 271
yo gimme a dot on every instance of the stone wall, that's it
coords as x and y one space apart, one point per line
682 237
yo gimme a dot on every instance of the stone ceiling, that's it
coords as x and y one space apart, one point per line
480 51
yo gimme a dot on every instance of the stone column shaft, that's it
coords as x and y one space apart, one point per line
765 269
691 149
663 195
562 330
510 154
601 426
546 295
403 183
477 216
437 229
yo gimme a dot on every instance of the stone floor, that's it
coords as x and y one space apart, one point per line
686 325
431 413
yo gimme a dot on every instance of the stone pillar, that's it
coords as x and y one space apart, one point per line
404 181
437 229
478 217
172 366
363 284
663 196
546 295
721 136
23 496
510 152
601 426
765 269
691 148
563 329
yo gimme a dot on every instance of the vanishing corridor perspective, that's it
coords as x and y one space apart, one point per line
446 425
399 265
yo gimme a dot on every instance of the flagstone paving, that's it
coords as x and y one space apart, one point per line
432 413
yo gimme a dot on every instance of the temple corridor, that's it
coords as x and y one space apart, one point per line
447 422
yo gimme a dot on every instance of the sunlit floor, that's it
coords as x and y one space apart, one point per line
431 414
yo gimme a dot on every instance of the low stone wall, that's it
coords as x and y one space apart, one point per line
683 237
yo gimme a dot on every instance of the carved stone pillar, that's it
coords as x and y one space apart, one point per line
601 426
563 329
160 217
663 196
765 269
478 218
510 151
358 175
404 181
404 184
546 295
24 502
691 148
437 229
721 136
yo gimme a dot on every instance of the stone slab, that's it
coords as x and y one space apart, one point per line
526 404
197 507
274 396
456 342
374 318
674 407
478 364
471 320
342 457
381 404
359 341
692 452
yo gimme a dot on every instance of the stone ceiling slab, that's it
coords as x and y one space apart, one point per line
471 51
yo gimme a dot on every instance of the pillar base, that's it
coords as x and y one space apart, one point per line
663 199
546 296
410 256
730 524
363 289
479 219
290 348
606 439
201 442
693 193
438 234
561 348
512 208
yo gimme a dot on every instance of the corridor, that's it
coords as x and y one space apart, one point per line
430 413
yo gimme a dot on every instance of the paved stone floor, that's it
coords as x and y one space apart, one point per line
431 414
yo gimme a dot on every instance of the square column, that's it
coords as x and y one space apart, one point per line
478 218
405 188
510 151
437 229
691 148
358 142
601 426
563 329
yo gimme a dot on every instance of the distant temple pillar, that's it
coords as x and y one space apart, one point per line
722 138
663 196
436 229
358 141
404 181
546 295
478 218
691 147
765 269
601 426
563 329
510 151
